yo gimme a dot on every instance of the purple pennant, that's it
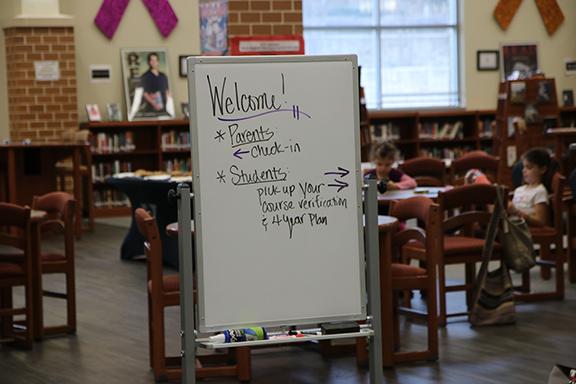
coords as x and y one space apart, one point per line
163 15
109 16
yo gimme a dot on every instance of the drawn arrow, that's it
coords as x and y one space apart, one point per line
341 171
239 152
340 184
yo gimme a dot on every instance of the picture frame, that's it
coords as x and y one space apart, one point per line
519 61
147 89
183 68
114 112
93 112
545 95
185 110
487 60
568 97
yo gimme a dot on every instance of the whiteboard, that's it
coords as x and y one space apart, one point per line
277 190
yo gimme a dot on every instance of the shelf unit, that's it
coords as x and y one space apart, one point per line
127 146
529 102
437 133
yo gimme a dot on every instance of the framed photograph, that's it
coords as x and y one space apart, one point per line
518 92
182 67
147 84
545 92
568 97
185 110
93 112
519 61
487 60
114 113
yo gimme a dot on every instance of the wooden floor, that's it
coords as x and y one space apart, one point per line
112 341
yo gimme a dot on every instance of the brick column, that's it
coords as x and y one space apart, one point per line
264 17
40 110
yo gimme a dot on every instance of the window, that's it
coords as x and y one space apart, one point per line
408 49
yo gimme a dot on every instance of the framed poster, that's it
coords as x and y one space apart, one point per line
519 61
214 27
146 84
487 60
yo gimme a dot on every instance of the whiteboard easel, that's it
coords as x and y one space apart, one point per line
277 189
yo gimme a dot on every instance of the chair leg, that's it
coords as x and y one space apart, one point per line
6 302
525 287
396 321
89 202
158 351
29 335
559 256
71 302
470 273
150 333
442 295
432 320
243 364
546 256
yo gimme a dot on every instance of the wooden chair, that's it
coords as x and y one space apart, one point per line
64 168
546 237
164 291
571 252
13 274
61 208
462 238
405 278
475 159
427 171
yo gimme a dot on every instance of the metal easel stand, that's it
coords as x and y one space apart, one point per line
374 330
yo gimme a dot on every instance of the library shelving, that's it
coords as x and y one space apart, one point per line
444 134
526 110
128 146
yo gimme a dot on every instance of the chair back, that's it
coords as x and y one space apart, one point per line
475 159
426 212
152 247
471 201
16 219
557 201
60 208
427 171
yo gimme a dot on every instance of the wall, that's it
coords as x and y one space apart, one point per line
7 10
265 17
137 29
482 32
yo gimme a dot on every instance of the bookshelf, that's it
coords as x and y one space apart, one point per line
444 134
526 110
127 146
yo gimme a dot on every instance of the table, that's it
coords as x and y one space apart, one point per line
29 169
151 195
430 192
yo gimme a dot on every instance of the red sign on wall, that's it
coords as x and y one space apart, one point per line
267 45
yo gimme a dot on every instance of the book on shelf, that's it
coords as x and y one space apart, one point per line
113 142
175 140
385 132
178 165
103 170
110 198
433 130
445 153
486 128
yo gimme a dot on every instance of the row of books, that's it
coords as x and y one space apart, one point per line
100 171
175 140
382 132
434 130
178 165
110 198
445 153
486 128
112 142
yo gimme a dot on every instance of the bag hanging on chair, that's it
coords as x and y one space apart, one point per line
494 294
562 375
516 240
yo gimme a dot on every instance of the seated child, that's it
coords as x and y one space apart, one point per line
390 178
530 200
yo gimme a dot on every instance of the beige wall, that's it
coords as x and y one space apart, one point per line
137 30
480 31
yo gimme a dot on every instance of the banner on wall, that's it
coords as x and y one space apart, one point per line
267 45
214 27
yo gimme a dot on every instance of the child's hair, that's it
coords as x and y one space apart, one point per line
541 158
384 151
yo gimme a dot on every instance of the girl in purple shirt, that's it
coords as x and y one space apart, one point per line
383 156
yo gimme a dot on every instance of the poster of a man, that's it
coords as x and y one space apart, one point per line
146 84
